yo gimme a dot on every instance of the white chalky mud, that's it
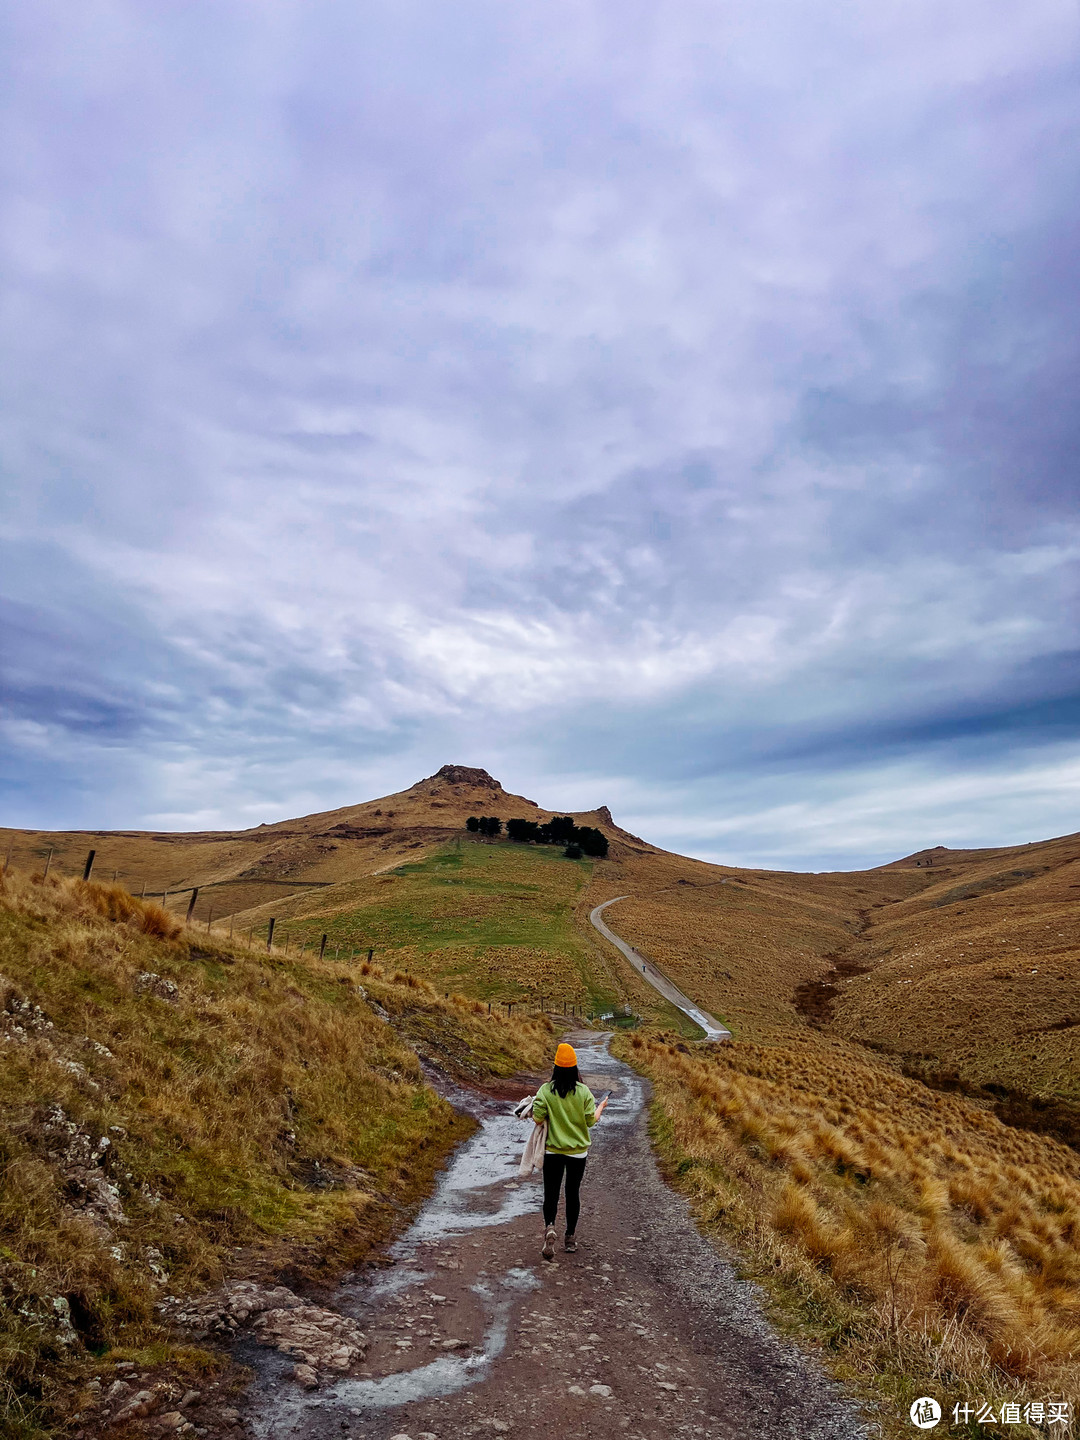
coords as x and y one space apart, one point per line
287 1413
479 1188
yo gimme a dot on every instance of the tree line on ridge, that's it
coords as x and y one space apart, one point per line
559 830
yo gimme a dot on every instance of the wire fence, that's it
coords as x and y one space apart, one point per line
269 937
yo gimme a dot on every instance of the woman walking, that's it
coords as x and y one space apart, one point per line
570 1110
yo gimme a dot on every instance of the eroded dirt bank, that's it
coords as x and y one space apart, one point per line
645 1333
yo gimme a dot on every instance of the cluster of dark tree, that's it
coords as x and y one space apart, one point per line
559 830
484 824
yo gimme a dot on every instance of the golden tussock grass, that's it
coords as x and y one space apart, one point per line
176 1111
925 1243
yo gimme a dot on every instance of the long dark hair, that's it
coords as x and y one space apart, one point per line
564 1079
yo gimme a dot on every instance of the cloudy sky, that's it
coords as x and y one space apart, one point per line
668 406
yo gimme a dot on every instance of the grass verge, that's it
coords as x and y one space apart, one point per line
921 1246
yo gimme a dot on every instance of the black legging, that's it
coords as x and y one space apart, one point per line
554 1167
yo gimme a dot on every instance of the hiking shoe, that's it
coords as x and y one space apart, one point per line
570 1244
550 1237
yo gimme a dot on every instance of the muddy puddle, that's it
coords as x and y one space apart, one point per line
439 1316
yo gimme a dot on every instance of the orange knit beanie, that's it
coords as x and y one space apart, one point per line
565 1055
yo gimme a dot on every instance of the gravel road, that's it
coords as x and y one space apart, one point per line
646 1333
712 1027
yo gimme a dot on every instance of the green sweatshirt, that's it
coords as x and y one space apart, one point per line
569 1120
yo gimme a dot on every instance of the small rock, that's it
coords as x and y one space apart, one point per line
147 983
576 1390
118 1390
400 1437
666 1385
141 1403
229 1415
452 1344
191 1397
171 1420
604 1390
304 1375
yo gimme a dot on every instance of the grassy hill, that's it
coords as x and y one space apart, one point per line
976 976
891 1141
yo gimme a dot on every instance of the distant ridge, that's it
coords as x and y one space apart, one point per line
237 870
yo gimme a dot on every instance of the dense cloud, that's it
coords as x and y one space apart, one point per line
673 409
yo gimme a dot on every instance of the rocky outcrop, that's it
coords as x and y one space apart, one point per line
321 1341
222 1312
147 983
80 1159
464 775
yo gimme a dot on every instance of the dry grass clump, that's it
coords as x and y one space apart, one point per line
175 1111
923 1238
76 901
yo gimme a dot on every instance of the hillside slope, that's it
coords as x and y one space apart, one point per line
237 871
977 975
176 1111
956 961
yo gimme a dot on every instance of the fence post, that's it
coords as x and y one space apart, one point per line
370 953
142 895
191 905
88 868
209 918
322 947
270 936
48 862
7 859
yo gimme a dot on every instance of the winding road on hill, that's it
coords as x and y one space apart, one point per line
660 983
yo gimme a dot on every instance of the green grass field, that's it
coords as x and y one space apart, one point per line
494 921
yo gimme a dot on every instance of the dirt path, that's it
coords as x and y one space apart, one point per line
711 1026
646 1333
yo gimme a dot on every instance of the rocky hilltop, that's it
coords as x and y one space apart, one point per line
237 871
